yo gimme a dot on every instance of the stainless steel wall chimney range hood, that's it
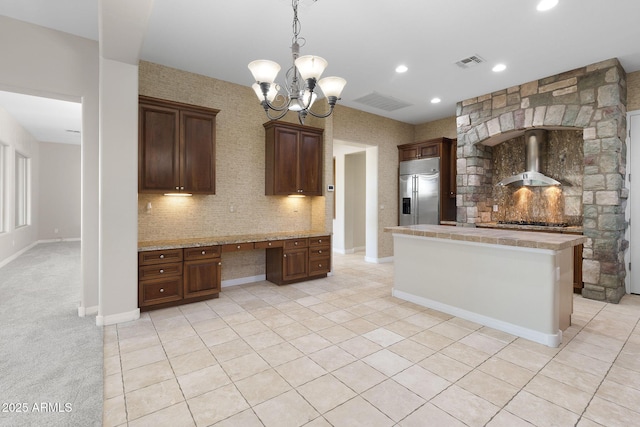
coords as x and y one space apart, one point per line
535 139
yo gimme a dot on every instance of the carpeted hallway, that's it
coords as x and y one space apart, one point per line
50 359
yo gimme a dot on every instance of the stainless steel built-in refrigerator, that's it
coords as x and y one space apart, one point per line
419 191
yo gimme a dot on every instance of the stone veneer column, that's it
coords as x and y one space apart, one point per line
591 98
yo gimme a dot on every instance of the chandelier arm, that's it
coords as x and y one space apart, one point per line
332 100
276 117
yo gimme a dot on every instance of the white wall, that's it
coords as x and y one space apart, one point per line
43 62
15 138
60 191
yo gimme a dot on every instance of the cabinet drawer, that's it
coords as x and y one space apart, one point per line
159 257
202 252
319 266
160 270
319 251
235 247
296 243
160 291
320 240
269 244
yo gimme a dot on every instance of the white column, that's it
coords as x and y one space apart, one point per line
118 192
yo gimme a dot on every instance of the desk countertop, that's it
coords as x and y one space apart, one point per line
223 240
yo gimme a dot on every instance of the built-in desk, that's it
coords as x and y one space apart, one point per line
514 281
174 272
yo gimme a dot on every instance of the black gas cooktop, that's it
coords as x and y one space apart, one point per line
538 223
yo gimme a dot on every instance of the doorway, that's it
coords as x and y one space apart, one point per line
355 223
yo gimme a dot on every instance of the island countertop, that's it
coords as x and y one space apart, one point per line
527 239
224 240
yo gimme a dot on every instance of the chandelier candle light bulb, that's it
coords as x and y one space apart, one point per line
300 82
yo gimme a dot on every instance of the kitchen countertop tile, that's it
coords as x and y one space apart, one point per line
223 240
507 237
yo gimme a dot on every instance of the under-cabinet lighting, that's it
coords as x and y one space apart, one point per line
178 194
296 196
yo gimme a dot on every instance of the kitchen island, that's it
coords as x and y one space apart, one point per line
514 281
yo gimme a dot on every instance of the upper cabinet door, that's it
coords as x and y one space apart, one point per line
158 156
310 164
197 144
176 147
293 159
286 161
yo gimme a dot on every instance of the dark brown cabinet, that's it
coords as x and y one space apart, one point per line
293 159
445 149
299 259
176 147
319 256
178 276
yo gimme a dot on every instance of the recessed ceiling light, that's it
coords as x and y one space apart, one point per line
436 100
544 5
401 69
499 67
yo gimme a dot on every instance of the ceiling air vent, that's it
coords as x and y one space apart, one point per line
470 61
382 102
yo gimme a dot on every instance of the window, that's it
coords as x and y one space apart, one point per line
23 190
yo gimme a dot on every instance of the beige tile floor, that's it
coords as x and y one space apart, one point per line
341 351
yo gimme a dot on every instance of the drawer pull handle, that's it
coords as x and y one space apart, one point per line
220 263
238 247
285 255
204 252
269 243
161 290
161 256
319 240
295 243
161 271
319 252
320 265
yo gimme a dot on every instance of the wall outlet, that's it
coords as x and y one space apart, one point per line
495 208
232 208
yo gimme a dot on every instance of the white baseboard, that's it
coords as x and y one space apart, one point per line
87 311
17 254
112 319
37 242
379 260
243 280
550 340
66 239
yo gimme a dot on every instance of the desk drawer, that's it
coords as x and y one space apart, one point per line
159 257
156 271
160 291
296 243
319 266
269 244
320 240
235 247
319 251
202 252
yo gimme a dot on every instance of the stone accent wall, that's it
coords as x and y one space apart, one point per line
592 98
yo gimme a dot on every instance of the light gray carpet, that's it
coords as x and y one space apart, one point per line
48 355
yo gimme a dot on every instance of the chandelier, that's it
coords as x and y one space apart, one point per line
299 91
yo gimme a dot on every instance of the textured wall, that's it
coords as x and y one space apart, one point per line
357 126
436 129
633 91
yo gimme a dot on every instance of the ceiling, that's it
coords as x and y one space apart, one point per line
364 41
